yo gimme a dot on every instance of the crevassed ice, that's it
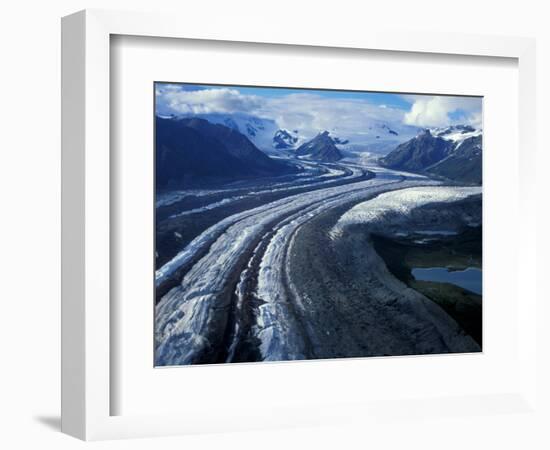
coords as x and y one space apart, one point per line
163 273
400 202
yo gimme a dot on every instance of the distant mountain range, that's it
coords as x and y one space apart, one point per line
193 151
374 136
453 152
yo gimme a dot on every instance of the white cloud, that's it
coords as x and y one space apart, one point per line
436 111
475 119
205 101
307 112
352 118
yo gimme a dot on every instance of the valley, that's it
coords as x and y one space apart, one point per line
256 272
298 224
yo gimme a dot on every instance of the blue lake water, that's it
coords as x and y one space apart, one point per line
437 233
469 278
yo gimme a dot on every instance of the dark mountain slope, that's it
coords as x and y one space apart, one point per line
238 145
320 148
459 159
464 163
194 152
418 153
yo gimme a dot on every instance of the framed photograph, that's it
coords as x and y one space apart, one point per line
315 214
296 224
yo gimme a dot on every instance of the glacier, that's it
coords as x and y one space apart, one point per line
391 205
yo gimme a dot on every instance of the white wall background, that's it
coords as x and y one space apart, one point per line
30 237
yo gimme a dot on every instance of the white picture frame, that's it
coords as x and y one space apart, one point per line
86 246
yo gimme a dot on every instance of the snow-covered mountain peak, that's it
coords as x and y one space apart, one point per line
258 130
285 139
456 133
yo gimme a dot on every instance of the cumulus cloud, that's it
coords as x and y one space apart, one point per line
438 111
307 112
354 118
205 101
347 117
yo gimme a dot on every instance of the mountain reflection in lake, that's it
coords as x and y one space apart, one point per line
469 279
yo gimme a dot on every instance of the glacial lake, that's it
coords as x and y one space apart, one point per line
469 278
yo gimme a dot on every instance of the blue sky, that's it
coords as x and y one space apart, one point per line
350 112
271 92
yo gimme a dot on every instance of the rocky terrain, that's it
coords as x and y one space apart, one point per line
320 148
193 152
453 152
309 253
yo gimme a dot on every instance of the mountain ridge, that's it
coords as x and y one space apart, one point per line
194 151
321 148
453 152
